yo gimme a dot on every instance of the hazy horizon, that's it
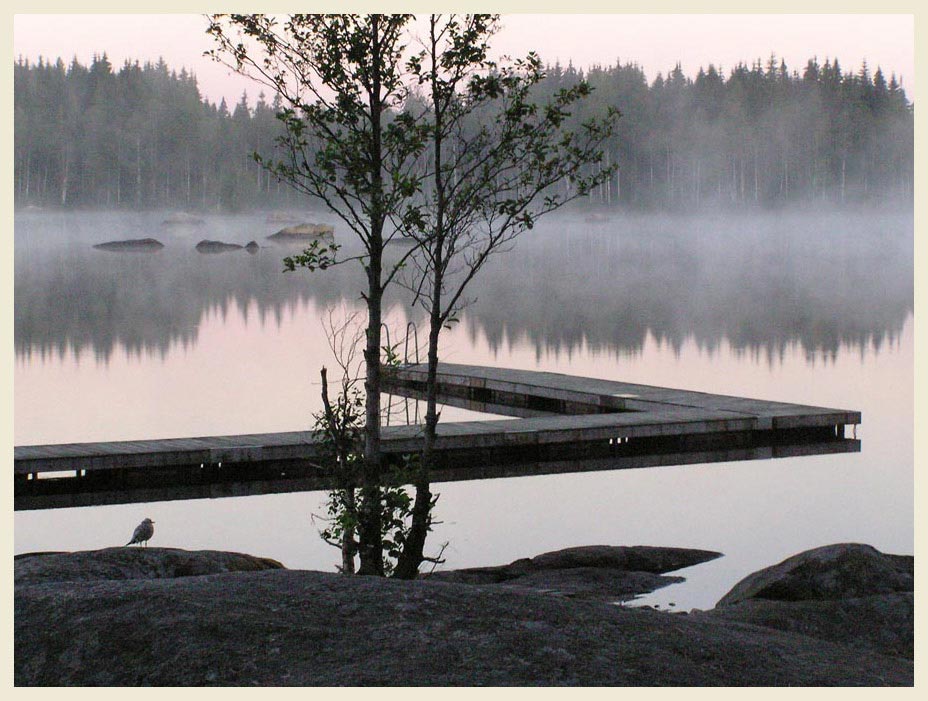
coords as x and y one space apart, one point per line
655 42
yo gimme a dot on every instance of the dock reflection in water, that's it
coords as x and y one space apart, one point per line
579 425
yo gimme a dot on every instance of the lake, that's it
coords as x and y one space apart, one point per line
790 306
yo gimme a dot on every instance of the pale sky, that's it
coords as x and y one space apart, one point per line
656 42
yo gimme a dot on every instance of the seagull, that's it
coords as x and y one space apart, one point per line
143 532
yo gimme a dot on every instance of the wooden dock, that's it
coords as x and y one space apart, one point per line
545 393
565 423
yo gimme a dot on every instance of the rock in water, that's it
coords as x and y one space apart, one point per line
305 232
131 245
252 247
611 573
837 571
217 246
632 558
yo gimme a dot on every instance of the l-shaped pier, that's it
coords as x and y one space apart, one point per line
564 424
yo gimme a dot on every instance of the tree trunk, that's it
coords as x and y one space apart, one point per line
651 172
843 175
369 517
786 174
370 521
138 172
670 165
413 549
698 178
349 544
607 185
65 175
741 176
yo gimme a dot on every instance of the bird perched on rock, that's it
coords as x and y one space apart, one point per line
143 532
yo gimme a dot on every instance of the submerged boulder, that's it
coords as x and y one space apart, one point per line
304 232
131 245
217 246
840 571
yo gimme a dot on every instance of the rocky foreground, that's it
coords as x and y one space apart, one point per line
838 615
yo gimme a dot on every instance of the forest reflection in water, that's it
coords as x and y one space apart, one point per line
757 282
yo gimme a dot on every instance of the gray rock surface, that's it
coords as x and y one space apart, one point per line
847 593
840 571
882 623
131 245
611 573
170 617
592 583
131 563
206 246
632 558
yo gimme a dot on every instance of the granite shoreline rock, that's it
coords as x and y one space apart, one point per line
839 571
125 563
605 572
156 616
848 592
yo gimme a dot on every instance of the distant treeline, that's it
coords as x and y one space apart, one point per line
143 137
139 137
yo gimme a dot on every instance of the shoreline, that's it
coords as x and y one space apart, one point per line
837 615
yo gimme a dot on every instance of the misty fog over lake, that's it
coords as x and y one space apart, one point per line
797 306
759 282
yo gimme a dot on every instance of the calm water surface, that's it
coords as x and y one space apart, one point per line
791 307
